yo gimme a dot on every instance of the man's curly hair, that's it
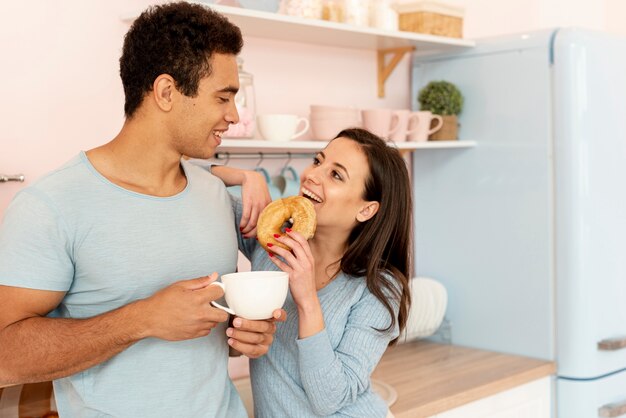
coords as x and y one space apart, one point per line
178 39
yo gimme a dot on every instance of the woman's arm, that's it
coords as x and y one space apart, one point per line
332 377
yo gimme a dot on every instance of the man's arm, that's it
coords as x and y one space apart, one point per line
254 194
35 348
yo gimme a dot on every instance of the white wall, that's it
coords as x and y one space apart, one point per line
484 18
616 16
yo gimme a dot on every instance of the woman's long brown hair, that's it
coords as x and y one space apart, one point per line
380 249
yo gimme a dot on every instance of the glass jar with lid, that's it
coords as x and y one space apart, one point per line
245 103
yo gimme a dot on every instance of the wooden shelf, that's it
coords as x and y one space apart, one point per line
321 32
394 44
257 145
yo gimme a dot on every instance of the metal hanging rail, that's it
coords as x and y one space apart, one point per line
262 155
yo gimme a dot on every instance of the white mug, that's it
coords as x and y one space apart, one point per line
253 294
420 129
277 127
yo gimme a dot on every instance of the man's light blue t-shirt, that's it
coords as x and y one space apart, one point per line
105 246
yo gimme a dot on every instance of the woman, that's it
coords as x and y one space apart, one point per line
349 292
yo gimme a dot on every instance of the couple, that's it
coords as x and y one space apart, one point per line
104 262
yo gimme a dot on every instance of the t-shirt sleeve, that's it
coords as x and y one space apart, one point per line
333 379
35 251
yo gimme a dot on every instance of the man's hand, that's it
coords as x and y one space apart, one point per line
254 338
183 310
254 196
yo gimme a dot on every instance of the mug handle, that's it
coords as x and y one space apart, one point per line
393 130
293 172
217 305
265 174
303 130
439 126
414 117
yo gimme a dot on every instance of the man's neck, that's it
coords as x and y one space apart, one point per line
139 159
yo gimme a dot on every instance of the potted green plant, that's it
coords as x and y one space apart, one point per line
445 99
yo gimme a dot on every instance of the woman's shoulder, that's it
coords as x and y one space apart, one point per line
387 284
383 276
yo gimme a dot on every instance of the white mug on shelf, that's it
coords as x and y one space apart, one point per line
420 128
277 127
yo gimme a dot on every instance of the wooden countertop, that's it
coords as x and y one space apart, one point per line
431 378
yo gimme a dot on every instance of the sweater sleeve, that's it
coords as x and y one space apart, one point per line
246 245
333 378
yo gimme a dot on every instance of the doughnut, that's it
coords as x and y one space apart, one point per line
297 209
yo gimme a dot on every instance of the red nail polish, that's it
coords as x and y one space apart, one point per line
276 235
241 228
269 244
270 254
288 229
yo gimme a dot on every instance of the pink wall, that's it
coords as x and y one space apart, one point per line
62 92
61 87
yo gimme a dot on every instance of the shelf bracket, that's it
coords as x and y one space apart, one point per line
384 71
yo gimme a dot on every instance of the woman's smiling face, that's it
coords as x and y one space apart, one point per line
335 183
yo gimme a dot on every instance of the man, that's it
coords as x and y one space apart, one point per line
104 262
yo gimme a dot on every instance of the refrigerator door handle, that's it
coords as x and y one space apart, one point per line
612 344
617 409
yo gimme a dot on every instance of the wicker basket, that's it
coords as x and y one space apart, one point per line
430 17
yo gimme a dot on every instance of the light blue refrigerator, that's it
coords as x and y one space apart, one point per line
527 230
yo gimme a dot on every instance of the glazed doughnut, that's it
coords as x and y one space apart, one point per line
297 208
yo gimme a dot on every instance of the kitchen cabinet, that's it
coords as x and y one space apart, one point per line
254 23
449 381
531 400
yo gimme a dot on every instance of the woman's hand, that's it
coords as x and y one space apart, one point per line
300 265
255 196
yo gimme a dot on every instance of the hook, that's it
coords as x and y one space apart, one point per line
258 164
288 159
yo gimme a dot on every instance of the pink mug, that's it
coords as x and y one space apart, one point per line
420 129
405 117
381 122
